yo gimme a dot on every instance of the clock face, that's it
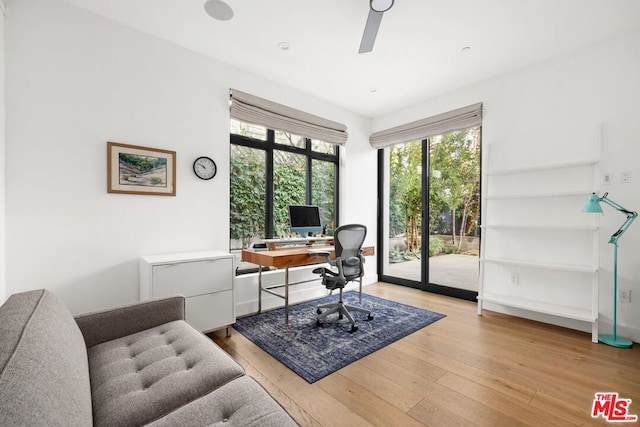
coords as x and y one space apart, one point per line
205 168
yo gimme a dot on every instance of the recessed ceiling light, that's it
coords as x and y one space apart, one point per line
217 9
284 46
465 49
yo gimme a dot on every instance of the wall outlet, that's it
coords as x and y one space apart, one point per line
624 295
514 279
607 178
625 177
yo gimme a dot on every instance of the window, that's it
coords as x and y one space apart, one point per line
271 170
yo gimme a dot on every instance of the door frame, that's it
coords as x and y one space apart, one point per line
424 283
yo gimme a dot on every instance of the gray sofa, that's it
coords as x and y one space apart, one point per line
139 364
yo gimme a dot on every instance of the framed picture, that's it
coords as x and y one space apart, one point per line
140 170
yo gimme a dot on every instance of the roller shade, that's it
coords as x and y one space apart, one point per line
461 118
259 111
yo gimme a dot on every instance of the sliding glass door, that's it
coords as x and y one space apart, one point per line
403 186
430 193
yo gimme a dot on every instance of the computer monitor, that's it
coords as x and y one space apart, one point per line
304 219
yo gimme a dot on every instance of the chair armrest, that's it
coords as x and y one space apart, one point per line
318 252
106 325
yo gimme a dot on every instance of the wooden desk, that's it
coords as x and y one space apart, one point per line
285 258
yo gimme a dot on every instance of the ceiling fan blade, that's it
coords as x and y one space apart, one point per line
370 31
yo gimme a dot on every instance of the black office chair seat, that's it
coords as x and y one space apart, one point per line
349 264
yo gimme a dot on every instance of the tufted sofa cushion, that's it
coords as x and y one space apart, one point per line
242 402
144 376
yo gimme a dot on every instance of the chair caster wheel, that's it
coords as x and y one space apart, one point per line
354 328
318 311
318 323
340 316
369 317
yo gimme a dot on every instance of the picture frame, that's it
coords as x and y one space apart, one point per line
132 169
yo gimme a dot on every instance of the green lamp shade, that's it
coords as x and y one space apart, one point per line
593 205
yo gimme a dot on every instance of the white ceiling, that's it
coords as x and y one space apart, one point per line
417 54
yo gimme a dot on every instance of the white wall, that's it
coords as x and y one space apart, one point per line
3 228
76 81
551 112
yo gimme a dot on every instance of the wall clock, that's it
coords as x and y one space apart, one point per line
205 168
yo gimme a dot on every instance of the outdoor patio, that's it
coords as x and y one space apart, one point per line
454 270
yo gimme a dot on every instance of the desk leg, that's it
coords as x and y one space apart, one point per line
286 297
259 288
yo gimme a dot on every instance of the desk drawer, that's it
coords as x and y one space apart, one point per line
192 278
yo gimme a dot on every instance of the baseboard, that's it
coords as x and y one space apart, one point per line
269 302
603 327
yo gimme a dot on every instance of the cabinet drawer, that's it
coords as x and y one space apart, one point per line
192 278
212 311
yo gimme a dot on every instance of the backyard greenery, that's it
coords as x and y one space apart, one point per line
290 173
248 184
454 186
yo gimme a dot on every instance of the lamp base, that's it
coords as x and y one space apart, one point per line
615 342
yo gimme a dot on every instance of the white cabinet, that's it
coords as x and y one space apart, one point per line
204 278
539 251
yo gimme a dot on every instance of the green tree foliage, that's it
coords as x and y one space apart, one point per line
406 192
323 192
248 188
454 185
248 183
289 174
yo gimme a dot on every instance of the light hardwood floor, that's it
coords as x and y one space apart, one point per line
493 370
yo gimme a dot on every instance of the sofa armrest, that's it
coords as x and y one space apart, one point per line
106 325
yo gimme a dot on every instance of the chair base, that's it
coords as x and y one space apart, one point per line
343 310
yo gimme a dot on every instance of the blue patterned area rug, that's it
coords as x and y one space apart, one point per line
314 352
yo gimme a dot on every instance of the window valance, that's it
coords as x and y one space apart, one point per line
260 111
461 118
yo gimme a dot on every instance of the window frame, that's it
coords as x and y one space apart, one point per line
269 146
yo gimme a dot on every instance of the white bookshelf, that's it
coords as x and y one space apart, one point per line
539 253
542 307
545 195
542 265
544 167
542 227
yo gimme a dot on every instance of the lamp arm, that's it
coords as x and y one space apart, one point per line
615 236
614 205
631 216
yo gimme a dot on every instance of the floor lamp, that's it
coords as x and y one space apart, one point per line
593 206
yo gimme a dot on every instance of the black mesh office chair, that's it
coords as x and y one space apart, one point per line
349 263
